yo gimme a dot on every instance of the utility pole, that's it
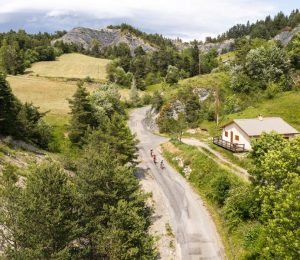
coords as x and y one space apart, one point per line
199 62
217 104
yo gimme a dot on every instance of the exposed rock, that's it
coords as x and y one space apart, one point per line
177 108
181 45
286 36
221 47
106 37
202 93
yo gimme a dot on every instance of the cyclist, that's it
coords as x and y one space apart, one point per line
154 158
162 166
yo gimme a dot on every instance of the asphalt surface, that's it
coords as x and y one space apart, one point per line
194 230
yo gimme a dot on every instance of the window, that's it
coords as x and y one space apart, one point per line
237 138
226 134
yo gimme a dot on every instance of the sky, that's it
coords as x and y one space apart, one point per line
186 19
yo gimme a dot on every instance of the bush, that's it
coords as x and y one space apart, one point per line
146 99
173 75
272 90
241 205
221 186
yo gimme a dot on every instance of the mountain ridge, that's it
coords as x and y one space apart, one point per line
105 36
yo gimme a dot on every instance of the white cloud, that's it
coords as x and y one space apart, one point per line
191 18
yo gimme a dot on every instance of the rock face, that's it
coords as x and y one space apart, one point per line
286 36
221 47
106 37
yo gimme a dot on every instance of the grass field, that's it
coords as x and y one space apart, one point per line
72 65
286 105
205 81
45 93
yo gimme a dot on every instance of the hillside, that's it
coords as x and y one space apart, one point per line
85 37
49 95
285 105
72 65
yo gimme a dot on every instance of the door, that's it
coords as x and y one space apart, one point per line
231 136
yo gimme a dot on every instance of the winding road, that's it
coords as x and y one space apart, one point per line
195 233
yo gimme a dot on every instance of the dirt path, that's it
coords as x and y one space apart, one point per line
241 172
175 201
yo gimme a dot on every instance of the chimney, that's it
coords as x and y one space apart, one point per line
260 118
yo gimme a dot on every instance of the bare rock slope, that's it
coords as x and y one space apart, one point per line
106 37
286 36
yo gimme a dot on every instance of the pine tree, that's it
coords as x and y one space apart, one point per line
45 215
134 95
105 188
10 107
124 141
195 70
82 115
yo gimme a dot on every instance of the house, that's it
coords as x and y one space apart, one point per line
237 134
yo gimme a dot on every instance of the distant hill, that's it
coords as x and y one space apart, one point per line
106 37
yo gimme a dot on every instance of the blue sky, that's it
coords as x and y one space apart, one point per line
187 19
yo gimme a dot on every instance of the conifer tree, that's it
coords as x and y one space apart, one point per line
107 191
82 115
42 224
10 107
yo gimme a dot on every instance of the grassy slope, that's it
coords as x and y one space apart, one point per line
205 81
45 93
71 65
286 105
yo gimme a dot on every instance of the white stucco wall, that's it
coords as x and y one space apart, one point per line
243 138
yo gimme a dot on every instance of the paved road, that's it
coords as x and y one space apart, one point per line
194 229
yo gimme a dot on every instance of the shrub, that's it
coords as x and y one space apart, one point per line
221 186
241 205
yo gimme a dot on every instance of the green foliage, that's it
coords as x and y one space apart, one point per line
266 143
241 205
115 217
221 186
272 90
194 70
22 121
265 67
19 49
294 51
216 185
43 223
266 28
154 39
31 127
11 59
152 78
10 108
45 53
117 74
208 61
276 177
134 95
157 101
173 75
106 100
192 106
267 64
82 115
241 82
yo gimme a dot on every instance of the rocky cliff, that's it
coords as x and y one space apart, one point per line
286 36
106 37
